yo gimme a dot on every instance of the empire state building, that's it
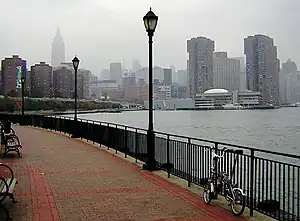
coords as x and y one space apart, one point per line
58 50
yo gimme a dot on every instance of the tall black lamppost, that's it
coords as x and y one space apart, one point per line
150 22
75 65
23 91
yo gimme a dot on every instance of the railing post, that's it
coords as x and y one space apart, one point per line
251 183
189 163
93 126
116 139
216 166
168 155
136 145
108 137
101 135
125 142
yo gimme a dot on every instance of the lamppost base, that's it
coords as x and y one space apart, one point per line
150 166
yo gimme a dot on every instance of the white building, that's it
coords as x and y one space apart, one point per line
246 98
219 98
163 92
226 72
200 65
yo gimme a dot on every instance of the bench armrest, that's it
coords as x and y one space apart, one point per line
3 195
11 173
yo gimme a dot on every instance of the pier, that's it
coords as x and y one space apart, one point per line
52 158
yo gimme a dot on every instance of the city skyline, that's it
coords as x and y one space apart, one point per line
98 47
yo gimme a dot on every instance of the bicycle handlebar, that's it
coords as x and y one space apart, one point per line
220 156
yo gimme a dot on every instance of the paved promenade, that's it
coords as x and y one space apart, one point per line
69 180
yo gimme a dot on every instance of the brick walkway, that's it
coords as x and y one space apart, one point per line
65 179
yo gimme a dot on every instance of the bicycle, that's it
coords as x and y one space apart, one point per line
220 182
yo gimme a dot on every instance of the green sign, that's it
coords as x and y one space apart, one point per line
19 77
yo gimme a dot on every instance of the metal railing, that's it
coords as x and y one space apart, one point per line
271 180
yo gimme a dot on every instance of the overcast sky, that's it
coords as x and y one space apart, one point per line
102 31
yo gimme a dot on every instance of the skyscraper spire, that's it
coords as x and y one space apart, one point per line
57 30
58 49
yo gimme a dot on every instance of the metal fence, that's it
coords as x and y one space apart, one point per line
270 180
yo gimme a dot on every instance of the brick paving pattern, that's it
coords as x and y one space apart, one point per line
65 179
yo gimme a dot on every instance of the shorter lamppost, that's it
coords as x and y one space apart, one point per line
150 22
75 62
23 94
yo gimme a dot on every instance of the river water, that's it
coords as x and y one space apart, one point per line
277 130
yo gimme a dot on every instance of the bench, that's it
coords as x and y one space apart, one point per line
12 144
7 186
11 140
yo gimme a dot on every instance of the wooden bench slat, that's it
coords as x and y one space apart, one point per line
11 186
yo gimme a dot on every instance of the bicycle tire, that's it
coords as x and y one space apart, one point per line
241 198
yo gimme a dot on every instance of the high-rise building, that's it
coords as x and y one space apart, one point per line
105 74
136 66
41 80
84 83
293 88
116 72
200 65
226 72
243 84
58 55
28 84
288 82
167 76
181 77
63 82
11 69
262 67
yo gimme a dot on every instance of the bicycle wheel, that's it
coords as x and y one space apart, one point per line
238 204
207 193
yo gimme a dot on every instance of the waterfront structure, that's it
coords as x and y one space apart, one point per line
63 82
219 98
200 65
226 72
58 54
41 80
131 142
262 67
172 104
167 76
116 72
11 68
